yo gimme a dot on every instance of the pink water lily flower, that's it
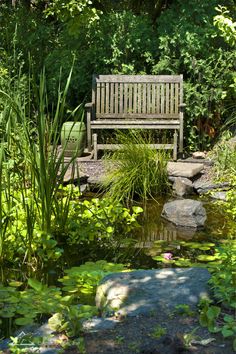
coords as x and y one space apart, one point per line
167 255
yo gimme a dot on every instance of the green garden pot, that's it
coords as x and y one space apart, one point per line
73 138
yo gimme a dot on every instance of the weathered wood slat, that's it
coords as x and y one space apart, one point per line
171 98
176 98
112 98
139 78
158 99
162 98
98 100
167 99
153 108
120 97
102 97
135 87
107 97
148 98
139 98
118 146
125 98
116 100
134 125
136 116
144 102
135 121
130 100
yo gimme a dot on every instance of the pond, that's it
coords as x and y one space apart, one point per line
144 244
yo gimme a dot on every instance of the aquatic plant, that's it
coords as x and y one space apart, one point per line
136 169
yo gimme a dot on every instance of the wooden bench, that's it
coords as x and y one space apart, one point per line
136 102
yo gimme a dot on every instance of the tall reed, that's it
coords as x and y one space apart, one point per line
31 141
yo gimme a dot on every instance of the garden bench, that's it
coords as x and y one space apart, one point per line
136 102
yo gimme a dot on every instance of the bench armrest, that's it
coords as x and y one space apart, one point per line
88 106
182 105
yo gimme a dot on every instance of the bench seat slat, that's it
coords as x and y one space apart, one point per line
136 116
118 146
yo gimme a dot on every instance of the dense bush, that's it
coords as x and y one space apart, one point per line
115 38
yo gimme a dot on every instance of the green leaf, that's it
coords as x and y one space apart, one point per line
15 283
213 312
227 332
137 209
23 321
229 319
35 284
234 344
206 258
109 229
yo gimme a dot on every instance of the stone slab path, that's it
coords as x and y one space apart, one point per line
182 169
145 291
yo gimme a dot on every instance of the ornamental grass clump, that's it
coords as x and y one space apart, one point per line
136 170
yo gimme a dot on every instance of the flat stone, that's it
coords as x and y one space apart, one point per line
219 195
185 213
99 324
183 186
182 169
207 161
152 291
199 155
204 187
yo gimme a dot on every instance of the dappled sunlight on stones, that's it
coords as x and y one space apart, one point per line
142 291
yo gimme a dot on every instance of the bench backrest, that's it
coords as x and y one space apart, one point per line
137 96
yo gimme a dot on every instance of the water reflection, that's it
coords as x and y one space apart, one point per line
155 228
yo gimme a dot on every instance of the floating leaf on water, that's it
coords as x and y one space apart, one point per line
15 283
23 321
206 258
183 262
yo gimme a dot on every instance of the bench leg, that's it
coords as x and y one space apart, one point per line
95 146
89 133
175 145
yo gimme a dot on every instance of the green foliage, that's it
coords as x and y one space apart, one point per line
31 171
25 306
184 309
66 306
215 320
82 281
226 25
100 219
118 43
158 332
69 319
19 345
121 37
224 157
188 45
223 280
136 169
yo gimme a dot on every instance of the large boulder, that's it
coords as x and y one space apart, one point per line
185 213
151 291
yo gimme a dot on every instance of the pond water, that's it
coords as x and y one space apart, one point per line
139 251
